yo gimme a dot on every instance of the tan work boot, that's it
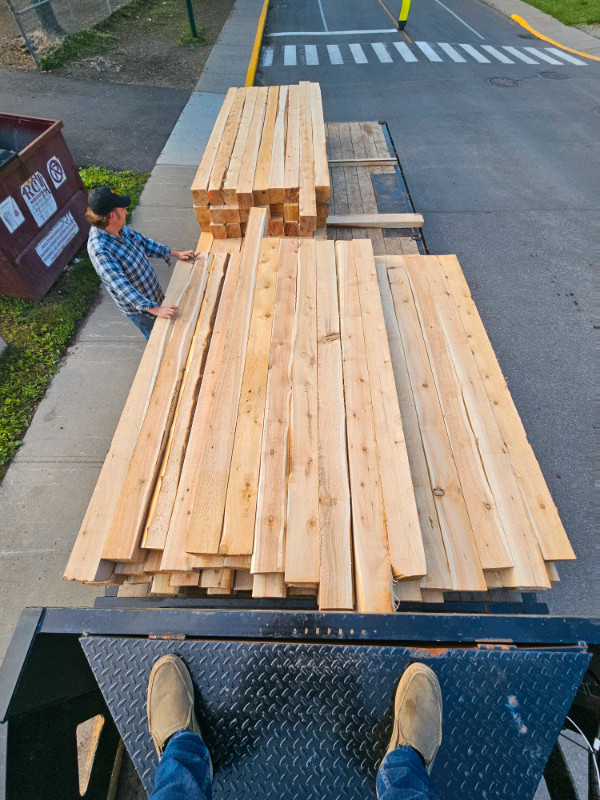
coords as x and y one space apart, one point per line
170 701
418 713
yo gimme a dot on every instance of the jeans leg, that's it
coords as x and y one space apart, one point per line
144 323
402 776
184 770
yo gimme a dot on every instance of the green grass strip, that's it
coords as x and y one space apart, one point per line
38 333
570 12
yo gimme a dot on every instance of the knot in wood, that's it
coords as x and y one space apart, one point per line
439 492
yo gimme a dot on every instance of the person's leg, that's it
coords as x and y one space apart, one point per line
416 737
143 322
185 769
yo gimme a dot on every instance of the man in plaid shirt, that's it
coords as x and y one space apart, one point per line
119 255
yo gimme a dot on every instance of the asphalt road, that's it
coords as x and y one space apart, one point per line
108 125
506 178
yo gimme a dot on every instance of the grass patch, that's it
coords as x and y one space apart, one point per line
570 12
101 37
38 333
77 45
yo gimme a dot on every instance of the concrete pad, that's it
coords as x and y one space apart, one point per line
177 227
169 185
188 140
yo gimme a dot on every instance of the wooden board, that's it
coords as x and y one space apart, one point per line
245 183
292 148
322 181
265 153
219 170
277 170
200 183
375 220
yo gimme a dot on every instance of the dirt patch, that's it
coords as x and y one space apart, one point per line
150 46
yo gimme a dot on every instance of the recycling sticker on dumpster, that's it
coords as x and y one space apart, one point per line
10 214
52 245
39 198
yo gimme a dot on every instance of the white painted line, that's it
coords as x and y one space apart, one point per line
323 16
543 56
497 54
358 54
289 55
266 57
332 33
312 59
405 51
335 54
514 52
459 19
468 48
561 54
428 50
454 54
382 53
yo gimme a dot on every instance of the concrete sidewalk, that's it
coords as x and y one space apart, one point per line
46 491
548 26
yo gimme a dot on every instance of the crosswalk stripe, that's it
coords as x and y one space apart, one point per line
561 54
358 53
496 54
522 56
454 54
405 51
310 50
382 53
289 55
543 56
335 54
428 51
468 48
266 57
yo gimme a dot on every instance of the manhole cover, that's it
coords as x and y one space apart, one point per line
506 83
553 76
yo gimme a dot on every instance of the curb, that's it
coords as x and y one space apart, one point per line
251 74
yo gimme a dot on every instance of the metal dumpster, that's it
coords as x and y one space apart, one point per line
42 205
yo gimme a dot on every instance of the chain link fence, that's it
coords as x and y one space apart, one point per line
44 23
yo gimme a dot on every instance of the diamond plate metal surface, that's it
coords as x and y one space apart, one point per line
303 721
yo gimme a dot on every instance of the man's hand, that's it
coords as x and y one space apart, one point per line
166 312
183 255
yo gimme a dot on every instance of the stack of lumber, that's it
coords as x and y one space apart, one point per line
267 148
319 421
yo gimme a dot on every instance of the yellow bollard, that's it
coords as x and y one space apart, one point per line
404 9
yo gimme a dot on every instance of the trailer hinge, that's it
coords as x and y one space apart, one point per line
167 637
504 646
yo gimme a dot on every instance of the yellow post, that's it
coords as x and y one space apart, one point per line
404 9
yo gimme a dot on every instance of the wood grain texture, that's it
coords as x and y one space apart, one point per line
245 183
277 171
219 170
322 181
292 148
199 187
375 220
265 153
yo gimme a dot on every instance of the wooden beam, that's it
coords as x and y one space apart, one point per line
335 576
277 170
376 221
245 184
217 176
307 198
199 187
362 162
263 164
292 148
322 180
237 157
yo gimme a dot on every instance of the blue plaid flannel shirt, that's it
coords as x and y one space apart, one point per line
123 267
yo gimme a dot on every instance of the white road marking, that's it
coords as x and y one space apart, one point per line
382 53
543 56
561 54
335 54
497 54
405 51
428 51
459 19
289 55
266 57
332 33
454 54
323 16
358 54
522 56
468 48
312 59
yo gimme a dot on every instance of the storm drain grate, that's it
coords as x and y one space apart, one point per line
504 83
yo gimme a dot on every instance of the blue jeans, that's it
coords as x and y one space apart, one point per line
184 773
143 321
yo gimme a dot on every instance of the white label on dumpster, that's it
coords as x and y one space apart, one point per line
11 214
52 245
56 172
39 198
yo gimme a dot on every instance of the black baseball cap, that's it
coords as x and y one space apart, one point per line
102 200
